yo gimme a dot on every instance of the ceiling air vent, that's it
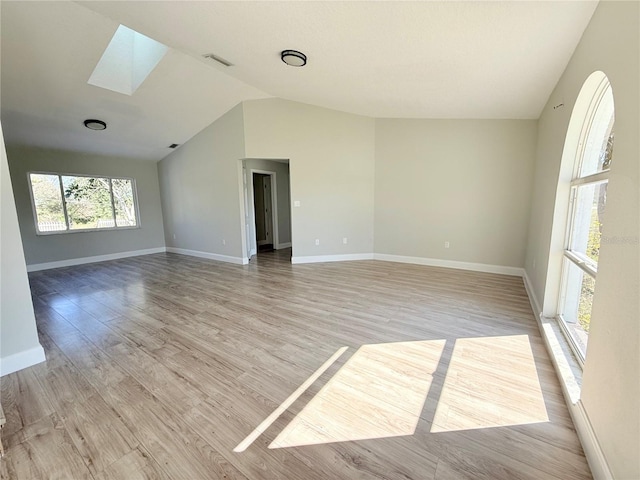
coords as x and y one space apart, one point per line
174 145
218 59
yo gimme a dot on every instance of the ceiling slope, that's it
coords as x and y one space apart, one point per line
431 59
49 51
444 59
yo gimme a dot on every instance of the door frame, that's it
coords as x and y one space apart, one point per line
252 209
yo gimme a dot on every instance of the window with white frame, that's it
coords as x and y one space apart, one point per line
586 217
69 203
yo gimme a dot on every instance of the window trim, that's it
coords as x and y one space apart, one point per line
580 259
594 178
134 190
587 124
577 353
573 344
583 262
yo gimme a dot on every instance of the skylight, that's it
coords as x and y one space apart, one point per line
127 61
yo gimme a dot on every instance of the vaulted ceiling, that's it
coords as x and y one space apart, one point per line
444 59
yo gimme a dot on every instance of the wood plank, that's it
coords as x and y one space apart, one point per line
158 366
136 465
44 450
23 401
182 453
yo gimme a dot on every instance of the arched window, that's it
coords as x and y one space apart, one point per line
588 197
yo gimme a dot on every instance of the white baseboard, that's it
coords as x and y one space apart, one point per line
434 262
20 360
280 246
332 258
34 267
533 300
592 450
570 376
210 256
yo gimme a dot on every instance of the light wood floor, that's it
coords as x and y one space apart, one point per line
159 366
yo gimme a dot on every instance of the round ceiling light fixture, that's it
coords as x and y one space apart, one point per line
94 124
293 58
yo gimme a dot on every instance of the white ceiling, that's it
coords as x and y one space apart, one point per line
382 59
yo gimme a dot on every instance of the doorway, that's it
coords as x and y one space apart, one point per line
267 207
264 212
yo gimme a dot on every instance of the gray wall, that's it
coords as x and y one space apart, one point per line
281 170
52 248
467 182
19 344
611 384
331 163
200 189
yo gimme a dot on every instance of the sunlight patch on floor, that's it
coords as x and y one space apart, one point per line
380 392
490 382
266 423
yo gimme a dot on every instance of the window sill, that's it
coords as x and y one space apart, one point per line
85 230
567 366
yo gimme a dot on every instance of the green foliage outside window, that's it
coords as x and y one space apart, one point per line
46 194
588 282
90 202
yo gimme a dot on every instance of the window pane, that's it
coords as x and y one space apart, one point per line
598 146
578 298
586 228
48 202
123 202
88 202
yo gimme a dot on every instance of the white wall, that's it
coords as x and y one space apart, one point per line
611 383
463 181
19 344
200 190
42 249
281 169
331 164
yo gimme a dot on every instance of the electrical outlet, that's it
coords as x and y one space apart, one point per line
224 242
446 244
317 241
344 241
174 236
296 203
